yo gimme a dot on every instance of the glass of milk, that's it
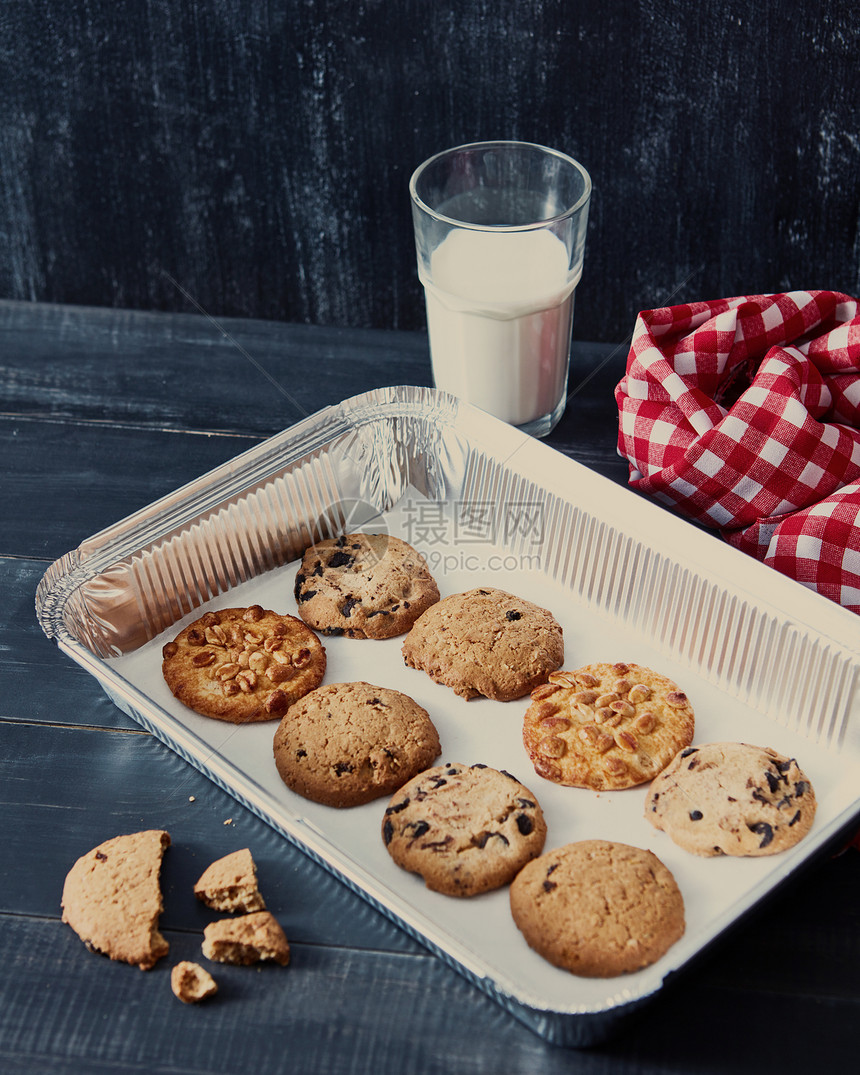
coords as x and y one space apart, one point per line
500 236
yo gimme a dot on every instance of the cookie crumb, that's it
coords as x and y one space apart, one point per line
192 983
112 898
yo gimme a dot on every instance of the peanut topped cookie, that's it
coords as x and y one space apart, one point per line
486 642
732 799
243 664
598 908
465 829
606 726
363 586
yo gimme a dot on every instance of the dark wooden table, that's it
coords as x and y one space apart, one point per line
104 411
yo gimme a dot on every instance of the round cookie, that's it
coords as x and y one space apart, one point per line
363 586
732 799
486 642
243 664
598 908
348 743
606 726
464 829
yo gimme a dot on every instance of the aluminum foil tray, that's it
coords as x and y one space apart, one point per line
762 659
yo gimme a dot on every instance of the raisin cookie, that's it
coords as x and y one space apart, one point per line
348 743
486 642
243 664
464 829
598 908
363 586
606 726
732 799
112 898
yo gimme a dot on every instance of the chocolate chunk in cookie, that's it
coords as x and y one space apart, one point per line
363 586
732 799
606 726
598 908
243 664
486 642
348 743
464 829
112 898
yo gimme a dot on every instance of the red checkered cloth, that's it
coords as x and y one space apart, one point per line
744 415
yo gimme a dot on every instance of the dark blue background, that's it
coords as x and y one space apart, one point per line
252 159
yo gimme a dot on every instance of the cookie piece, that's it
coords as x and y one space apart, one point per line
192 983
486 642
465 829
348 743
243 664
363 586
732 799
112 898
606 726
230 884
251 938
598 908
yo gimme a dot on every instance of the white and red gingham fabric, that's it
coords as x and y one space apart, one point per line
744 415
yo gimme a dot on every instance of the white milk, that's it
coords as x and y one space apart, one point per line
499 314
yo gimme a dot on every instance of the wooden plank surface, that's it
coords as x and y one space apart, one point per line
360 996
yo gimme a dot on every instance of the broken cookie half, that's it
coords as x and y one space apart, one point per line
112 898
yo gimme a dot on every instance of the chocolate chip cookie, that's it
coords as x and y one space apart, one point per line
348 743
598 908
606 726
243 664
732 799
112 898
363 586
486 642
464 829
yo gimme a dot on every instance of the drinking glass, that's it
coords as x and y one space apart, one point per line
500 238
